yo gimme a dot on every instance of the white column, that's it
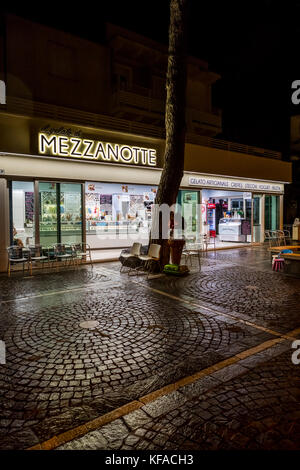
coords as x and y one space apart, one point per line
4 227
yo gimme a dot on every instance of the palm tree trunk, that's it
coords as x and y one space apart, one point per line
174 115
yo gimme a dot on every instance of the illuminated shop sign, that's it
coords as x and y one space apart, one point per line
244 185
95 150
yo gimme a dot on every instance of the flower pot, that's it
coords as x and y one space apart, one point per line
176 247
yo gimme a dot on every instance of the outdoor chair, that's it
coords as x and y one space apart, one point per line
193 249
63 253
267 238
281 237
82 251
36 255
207 241
285 236
271 237
129 260
16 255
276 237
150 259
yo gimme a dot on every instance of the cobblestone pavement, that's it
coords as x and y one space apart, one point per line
242 283
62 372
256 409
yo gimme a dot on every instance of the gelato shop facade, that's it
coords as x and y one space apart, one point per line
60 183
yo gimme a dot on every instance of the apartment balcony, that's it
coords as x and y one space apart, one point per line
203 123
139 106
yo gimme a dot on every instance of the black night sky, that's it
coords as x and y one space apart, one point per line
253 45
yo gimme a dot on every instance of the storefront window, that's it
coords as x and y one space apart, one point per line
272 212
118 214
70 213
48 213
60 213
189 202
23 212
226 216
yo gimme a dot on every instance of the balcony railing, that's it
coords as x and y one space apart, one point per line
23 107
231 146
75 116
137 101
201 118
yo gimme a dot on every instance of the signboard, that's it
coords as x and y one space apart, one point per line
236 184
78 147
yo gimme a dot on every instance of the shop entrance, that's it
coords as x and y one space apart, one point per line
272 212
60 213
189 202
227 216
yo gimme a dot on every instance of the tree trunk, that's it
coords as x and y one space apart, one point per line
174 115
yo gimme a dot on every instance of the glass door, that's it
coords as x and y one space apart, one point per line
48 198
60 213
70 213
272 212
189 201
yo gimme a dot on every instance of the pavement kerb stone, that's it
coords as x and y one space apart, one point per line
292 334
260 347
79 431
158 393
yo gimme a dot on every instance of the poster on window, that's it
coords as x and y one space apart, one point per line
136 205
92 205
29 206
72 202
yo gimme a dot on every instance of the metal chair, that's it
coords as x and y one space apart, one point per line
287 236
207 241
271 237
281 237
36 256
63 253
267 238
82 251
16 256
276 237
192 249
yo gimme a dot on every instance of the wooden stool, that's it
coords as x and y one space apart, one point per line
278 264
